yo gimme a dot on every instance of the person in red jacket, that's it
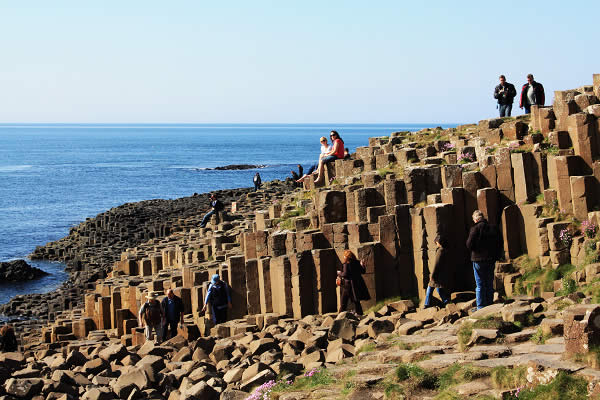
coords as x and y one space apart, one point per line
532 93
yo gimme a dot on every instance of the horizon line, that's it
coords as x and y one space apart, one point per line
229 123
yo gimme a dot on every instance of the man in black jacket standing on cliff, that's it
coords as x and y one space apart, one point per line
485 244
532 94
505 93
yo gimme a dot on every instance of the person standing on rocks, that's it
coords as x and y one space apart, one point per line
8 340
257 182
352 283
172 308
505 93
532 94
216 207
485 245
439 274
151 317
218 296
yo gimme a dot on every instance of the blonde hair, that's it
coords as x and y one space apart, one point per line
477 215
323 139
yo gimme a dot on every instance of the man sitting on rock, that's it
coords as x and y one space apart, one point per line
151 317
172 307
219 298
216 207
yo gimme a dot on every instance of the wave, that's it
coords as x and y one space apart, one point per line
14 168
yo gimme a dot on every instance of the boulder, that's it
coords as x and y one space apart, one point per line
135 377
23 388
200 390
19 270
113 352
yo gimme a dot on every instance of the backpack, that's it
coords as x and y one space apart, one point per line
152 314
219 297
219 206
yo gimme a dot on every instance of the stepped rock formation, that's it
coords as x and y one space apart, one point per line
536 177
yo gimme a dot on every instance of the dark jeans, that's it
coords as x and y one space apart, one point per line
219 315
527 108
441 292
346 296
206 218
505 110
484 280
312 169
173 326
256 187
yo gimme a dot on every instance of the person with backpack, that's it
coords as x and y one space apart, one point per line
151 317
485 244
216 207
219 298
352 283
257 182
8 340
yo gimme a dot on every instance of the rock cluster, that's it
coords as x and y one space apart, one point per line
19 270
536 177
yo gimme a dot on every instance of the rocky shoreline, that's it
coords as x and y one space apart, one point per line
94 245
18 271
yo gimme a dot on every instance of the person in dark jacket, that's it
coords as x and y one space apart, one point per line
485 245
257 182
353 285
218 296
172 307
216 206
439 273
532 93
505 93
8 340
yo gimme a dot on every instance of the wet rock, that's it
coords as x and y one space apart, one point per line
19 270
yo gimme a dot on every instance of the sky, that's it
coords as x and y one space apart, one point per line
284 61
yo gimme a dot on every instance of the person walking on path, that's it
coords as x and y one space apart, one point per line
532 94
440 273
257 182
8 340
172 308
216 207
485 245
505 93
352 283
218 296
151 317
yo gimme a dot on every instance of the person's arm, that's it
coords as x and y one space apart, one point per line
207 298
180 305
334 148
521 97
496 91
512 91
141 314
345 273
471 238
542 95
227 290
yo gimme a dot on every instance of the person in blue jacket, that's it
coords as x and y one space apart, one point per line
218 296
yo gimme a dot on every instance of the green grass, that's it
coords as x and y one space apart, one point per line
460 373
563 386
367 348
508 378
464 334
539 337
379 305
321 378
416 377
382 172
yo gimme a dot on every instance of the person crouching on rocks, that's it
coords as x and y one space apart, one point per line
219 297
352 283
152 317
8 340
439 274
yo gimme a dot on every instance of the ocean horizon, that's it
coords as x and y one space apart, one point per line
54 175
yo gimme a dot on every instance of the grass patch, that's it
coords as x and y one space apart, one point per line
564 386
320 377
460 373
286 222
367 348
379 305
416 377
382 172
509 378
539 337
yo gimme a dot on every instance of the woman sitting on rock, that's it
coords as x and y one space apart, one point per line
325 149
352 283
336 152
439 274
8 340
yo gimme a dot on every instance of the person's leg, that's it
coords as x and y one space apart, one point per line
428 296
443 295
206 218
311 169
320 171
479 295
490 283
165 330
508 110
148 332
344 300
157 332
221 315
527 108
358 307
173 327
502 109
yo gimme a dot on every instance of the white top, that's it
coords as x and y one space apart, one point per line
530 95
325 149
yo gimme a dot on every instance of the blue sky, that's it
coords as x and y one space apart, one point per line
283 61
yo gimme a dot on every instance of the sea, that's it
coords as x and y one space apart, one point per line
54 176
